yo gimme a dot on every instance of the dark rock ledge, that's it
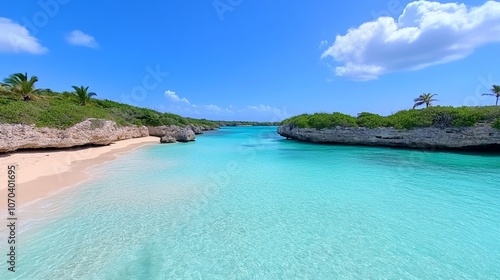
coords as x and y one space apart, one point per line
481 137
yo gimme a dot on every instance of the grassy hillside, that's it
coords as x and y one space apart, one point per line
433 116
62 110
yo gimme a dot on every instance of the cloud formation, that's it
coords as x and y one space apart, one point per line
15 38
78 38
275 113
174 97
181 105
427 33
323 43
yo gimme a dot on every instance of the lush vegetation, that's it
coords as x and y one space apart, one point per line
21 102
63 110
432 116
496 123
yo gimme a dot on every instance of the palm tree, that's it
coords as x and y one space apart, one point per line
495 91
82 95
425 98
19 83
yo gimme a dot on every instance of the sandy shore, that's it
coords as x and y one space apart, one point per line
40 172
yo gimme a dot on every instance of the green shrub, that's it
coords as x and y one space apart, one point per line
322 120
406 119
60 110
371 120
496 123
136 122
301 121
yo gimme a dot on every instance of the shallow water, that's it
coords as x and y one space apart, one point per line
243 203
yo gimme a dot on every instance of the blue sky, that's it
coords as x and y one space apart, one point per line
257 60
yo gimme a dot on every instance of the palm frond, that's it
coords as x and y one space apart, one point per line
420 103
495 89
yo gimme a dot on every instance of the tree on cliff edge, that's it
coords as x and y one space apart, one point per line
495 91
425 98
82 94
19 83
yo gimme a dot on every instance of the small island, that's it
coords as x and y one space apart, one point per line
431 128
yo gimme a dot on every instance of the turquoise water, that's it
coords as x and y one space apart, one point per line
243 203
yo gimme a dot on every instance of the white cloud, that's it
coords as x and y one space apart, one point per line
78 38
261 108
174 97
182 105
427 33
275 113
15 38
211 108
323 43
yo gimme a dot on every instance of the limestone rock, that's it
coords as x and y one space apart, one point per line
167 139
482 136
184 135
179 134
88 132
196 129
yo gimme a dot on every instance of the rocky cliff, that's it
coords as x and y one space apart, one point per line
88 132
482 136
200 128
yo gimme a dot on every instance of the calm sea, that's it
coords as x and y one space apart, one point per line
243 203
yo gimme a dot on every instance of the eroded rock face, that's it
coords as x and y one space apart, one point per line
482 136
196 129
167 139
170 133
184 135
88 132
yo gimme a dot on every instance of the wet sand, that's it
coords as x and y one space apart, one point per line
41 172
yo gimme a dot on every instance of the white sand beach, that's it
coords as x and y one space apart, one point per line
40 172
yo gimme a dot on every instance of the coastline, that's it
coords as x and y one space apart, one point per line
41 172
481 138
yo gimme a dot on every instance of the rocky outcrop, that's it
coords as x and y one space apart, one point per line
482 136
89 132
172 133
184 135
168 139
198 129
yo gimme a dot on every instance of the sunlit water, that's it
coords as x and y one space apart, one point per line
243 203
